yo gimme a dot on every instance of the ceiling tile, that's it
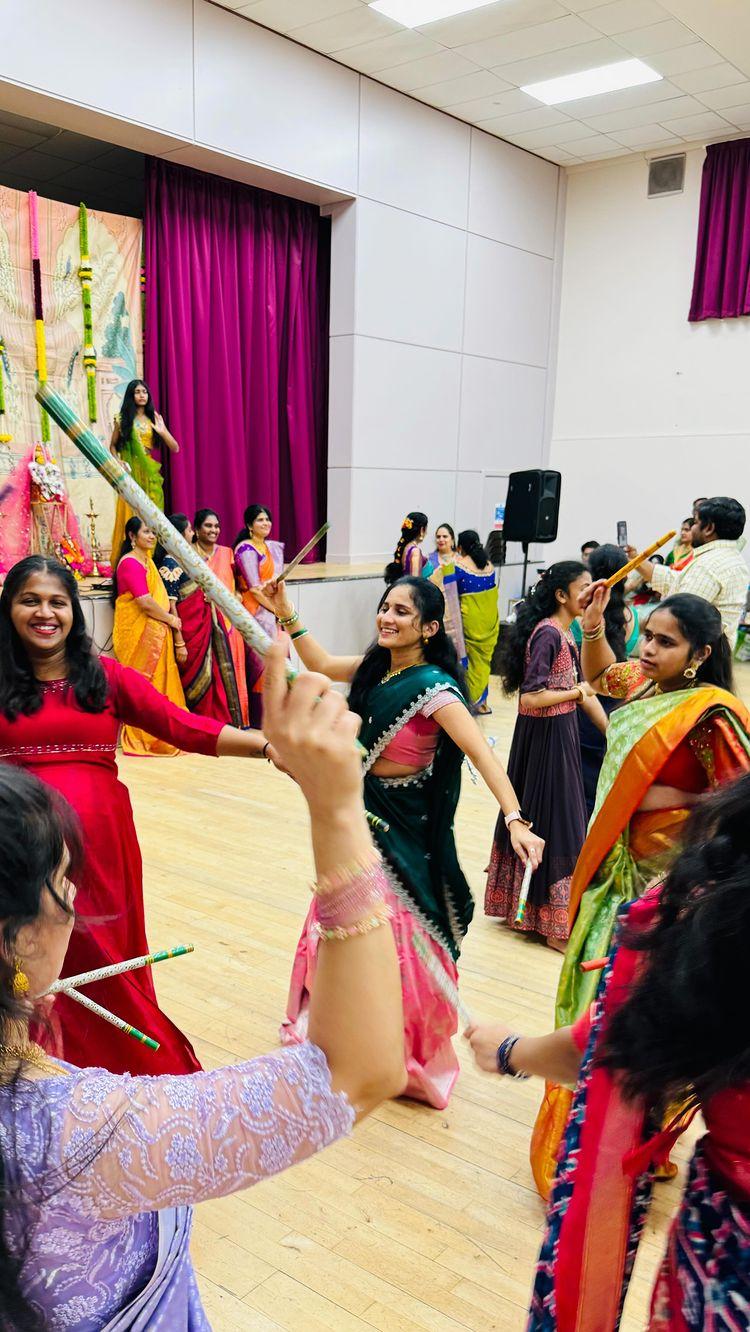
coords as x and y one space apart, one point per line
73 147
739 116
645 115
525 42
471 87
595 143
716 76
644 136
39 165
349 29
603 154
20 137
122 162
648 94
39 128
543 138
8 151
736 94
696 56
432 69
624 15
694 127
555 63
656 37
387 52
284 15
489 108
525 120
491 20
560 156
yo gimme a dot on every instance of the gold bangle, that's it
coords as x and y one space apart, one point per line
592 635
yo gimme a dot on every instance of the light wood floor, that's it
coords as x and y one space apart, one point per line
423 1219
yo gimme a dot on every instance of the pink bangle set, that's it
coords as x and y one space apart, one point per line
352 900
363 926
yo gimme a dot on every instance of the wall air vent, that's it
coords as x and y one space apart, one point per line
666 175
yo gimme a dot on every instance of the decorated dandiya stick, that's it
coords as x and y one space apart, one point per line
639 559
523 896
104 1013
299 557
118 968
441 978
115 472
36 282
86 274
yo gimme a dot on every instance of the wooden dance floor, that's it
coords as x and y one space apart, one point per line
423 1219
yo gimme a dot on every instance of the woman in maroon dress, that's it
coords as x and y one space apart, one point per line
61 708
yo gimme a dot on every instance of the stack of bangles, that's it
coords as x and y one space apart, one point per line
289 623
592 635
352 900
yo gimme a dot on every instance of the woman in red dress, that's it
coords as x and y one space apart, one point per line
61 708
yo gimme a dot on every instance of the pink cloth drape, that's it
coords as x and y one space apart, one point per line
721 286
237 346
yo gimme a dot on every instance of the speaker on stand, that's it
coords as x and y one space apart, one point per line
531 510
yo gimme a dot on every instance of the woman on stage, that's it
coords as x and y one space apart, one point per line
133 443
441 569
476 581
540 659
257 561
207 530
622 628
408 688
669 1028
61 709
204 659
407 557
145 630
681 733
100 1172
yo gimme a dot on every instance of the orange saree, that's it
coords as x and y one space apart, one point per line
222 564
147 646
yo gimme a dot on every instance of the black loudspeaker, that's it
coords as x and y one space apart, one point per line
532 506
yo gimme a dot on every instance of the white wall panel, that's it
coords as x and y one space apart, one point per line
339 544
381 498
468 506
57 47
512 195
406 405
508 296
260 96
502 415
410 278
343 268
340 401
411 157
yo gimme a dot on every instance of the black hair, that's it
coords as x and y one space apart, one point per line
470 544
252 512
448 528
603 562
128 410
685 1027
36 827
727 516
180 522
540 603
132 528
412 525
429 605
701 624
19 689
200 518
589 545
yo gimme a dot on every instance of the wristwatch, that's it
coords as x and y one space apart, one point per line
516 816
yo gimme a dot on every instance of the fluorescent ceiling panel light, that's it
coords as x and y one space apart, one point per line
413 13
591 82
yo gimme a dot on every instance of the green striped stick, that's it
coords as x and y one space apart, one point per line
118 968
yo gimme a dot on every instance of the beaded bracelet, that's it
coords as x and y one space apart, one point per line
381 916
504 1052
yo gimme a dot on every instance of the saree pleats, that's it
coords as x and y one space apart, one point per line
147 646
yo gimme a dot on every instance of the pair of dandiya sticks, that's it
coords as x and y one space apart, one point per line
69 986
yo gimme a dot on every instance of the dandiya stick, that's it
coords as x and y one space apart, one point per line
115 472
523 896
118 968
137 1035
639 559
312 543
596 964
442 979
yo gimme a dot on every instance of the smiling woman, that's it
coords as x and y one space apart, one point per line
408 688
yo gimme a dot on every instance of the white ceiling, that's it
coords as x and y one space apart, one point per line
472 66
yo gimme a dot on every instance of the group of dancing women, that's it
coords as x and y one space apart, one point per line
100 1164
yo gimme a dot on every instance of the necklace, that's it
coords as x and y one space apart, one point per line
390 675
30 1054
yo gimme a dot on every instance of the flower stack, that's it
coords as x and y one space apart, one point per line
4 438
54 527
86 273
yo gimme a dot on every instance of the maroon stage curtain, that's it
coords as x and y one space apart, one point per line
721 287
236 354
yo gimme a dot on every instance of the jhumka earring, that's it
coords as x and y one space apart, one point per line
20 980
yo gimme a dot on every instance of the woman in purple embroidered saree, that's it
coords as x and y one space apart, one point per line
100 1171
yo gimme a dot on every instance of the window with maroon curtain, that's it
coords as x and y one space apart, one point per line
721 287
236 356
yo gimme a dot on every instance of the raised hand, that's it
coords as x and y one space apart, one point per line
159 425
597 600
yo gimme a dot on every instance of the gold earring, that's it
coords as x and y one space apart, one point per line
20 980
690 672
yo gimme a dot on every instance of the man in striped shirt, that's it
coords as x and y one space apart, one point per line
718 571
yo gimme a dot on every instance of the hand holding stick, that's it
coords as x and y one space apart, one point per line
639 559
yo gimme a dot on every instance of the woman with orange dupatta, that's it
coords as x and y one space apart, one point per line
258 561
206 540
682 734
143 629
654 1039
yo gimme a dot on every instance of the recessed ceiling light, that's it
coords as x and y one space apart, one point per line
413 13
589 82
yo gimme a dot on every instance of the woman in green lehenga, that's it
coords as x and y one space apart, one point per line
132 442
408 688
476 581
